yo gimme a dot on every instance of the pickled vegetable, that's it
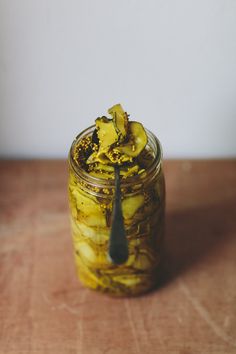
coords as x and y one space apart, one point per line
116 141
120 119
120 141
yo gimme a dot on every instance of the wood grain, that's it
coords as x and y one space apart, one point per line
44 309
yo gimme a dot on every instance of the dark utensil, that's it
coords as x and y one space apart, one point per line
118 245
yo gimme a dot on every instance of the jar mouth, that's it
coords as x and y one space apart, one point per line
125 182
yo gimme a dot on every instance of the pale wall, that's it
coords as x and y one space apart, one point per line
171 63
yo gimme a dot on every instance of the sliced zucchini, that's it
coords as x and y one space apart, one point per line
137 140
120 119
131 204
106 133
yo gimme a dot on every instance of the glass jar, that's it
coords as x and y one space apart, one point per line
143 206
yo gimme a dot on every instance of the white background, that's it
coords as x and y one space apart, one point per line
172 64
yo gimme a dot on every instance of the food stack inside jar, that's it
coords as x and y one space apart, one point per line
116 140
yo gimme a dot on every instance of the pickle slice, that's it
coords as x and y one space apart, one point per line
106 132
87 209
97 235
137 140
131 204
86 204
120 119
119 140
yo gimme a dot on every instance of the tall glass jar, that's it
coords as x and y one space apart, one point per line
143 205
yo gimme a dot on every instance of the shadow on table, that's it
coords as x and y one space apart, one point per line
191 235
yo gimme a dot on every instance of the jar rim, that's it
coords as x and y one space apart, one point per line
130 180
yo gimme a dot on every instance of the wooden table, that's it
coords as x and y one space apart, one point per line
44 309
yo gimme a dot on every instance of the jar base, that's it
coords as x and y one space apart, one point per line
117 290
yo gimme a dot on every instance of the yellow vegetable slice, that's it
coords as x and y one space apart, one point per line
86 204
119 140
120 119
106 132
128 280
99 236
137 140
86 252
131 204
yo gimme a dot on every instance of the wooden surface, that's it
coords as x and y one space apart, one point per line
44 309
